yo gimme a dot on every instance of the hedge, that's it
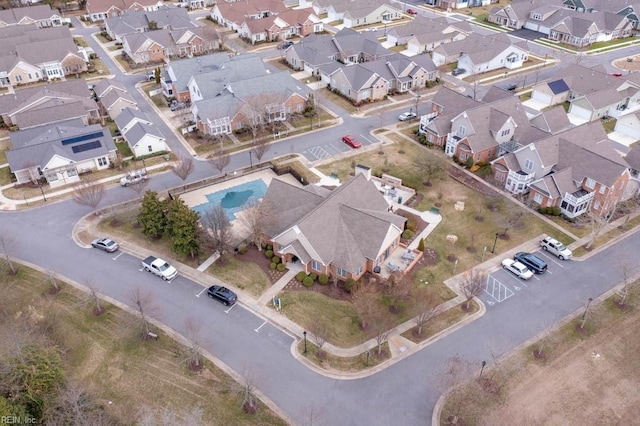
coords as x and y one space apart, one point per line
280 266
307 282
323 279
300 276
268 254
407 234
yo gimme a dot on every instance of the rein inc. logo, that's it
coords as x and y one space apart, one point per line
17 420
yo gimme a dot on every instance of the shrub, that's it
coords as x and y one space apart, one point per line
323 279
469 163
421 245
300 276
268 254
543 210
350 285
407 234
275 259
269 247
272 265
313 276
280 266
307 282
556 211
412 223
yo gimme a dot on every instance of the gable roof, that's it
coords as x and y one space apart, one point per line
127 115
49 113
345 227
552 120
97 6
106 85
30 97
15 16
139 130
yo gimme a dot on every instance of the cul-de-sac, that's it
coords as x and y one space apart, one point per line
319 212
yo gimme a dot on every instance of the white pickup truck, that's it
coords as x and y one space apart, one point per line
159 267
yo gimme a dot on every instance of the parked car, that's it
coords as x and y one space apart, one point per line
458 71
616 74
531 261
134 177
556 247
412 12
407 116
285 45
222 294
150 76
511 87
372 29
105 244
351 141
517 268
159 267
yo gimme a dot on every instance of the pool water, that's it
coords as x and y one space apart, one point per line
234 199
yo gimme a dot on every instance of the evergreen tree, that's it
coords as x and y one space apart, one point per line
182 228
152 217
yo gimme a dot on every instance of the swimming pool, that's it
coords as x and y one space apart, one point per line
234 199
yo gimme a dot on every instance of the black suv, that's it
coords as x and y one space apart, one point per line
223 294
531 261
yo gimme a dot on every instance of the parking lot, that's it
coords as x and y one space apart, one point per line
502 285
333 148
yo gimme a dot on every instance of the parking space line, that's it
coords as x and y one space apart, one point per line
119 254
231 307
257 330
203 290
366 139
551 258
494 287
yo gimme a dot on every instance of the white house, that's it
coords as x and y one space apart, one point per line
145 139
629 125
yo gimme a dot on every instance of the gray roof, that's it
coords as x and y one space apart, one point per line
107 84
345 228
37 13
633 157
351 42
139 131
183 69
38 145
171 18
213 82
112 96
475 45
39 52
496 93
50 112
127 115
68 89
552 120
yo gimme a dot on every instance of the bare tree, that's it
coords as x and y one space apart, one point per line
89 193
258 217
430 166
627 269
365 301
457 371
8 244
220 161
218 232
94 297
398 287
259 149
472 285
424 307
247 391
380 327
145 304
193 328
51 279
320 331
183 167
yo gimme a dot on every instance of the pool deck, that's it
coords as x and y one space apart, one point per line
199 196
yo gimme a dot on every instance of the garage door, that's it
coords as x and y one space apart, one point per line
580 112
531 26
308 68
541 97
631 131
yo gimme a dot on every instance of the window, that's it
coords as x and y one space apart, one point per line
537 198
359 271
505 132
315 265
602 188
341 272
102 161
596 205
528 165
18 78
461 130
150 148
590 183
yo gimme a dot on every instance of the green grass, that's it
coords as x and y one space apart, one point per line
441 322
5 176
124 150
80 41
609 124
247 276
355 363
340 101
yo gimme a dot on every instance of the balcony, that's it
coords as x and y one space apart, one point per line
452 143
521 176
578 197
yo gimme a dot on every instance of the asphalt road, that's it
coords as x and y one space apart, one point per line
403 394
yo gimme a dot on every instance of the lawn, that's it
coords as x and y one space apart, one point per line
339 100
441 322
246 276
579 376
120 373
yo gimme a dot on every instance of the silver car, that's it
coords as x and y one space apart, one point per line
105 244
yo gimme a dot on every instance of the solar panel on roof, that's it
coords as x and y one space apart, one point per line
82 138
558 86
86 147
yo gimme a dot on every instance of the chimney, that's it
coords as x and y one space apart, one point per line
363 170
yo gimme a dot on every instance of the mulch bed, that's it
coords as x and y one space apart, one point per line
468 181
328 290
257 257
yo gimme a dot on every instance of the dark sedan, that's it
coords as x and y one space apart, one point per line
222 294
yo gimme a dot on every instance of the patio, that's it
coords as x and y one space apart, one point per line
401 259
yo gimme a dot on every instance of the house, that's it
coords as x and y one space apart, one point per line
115 101
41 16
576 170
478 54
139 21
356 13
347 46
629 125
376 79
445 104
30 54
234 14
99 10
103 86
633 160
129 117
553 120
56 94
144 139
424 35
236 99
570 21
459 4
294 22
344 232
176 76
164 45
59 153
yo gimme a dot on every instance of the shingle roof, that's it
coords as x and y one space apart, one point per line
38 145
25 98
112 96
552 120
15 15
127 115
633 157
139 131
49 113
105 85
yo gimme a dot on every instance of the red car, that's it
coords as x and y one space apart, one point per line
616 74
411 12
351 141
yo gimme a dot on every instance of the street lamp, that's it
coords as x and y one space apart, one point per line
586 310
368 353
144 165
482 368
251 164
493 249
42 190
304 333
